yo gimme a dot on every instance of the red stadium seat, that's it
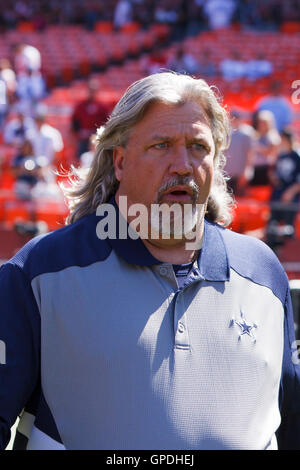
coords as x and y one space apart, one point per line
104 27
15 211
53 213
249 215
132 27
26 27
259 193
290 27
297 226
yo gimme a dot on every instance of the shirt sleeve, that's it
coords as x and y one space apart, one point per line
19 346
288 433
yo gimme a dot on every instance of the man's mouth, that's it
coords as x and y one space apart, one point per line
178 193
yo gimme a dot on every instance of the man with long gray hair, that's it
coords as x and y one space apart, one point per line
145 323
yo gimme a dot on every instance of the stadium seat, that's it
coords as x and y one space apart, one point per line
15 211
104 27
132 27
290 27
249 215
259 193
26 27
53 213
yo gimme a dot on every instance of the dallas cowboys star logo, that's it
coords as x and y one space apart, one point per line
246 327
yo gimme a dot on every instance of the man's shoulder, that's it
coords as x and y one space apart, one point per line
293 155
296 155
251 258
248 248
76 244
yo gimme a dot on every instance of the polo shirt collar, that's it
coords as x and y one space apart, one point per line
212 262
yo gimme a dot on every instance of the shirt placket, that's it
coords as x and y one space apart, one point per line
181 335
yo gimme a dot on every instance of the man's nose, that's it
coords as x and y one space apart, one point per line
180 163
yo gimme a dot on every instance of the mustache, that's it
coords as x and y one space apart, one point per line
179 181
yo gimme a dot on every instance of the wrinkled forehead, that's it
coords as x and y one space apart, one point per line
195 109
174 118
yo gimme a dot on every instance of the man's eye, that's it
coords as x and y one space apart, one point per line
161 145
198 146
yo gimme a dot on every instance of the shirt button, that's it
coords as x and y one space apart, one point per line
163 271
181 327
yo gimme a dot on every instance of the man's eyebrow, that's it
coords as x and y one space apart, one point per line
199 138
159 137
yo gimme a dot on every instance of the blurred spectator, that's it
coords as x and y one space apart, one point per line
233 67
285 179
31 88
290 10
3 102
261 15
219 12
87 157
24 9
87 116
166 12
278 105
46 140
183 62
285 176
239 155
27 58
30 85
7 88
122 13
143 12
268 14
258 68
8 75
91 15
26 170
15 130
246 12
265 148
195 17
39 18
206 66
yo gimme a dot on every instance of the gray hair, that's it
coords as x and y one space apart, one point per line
96 186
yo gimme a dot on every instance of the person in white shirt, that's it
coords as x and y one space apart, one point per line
46 139
26 58
219 12
258 68
122 13
233 67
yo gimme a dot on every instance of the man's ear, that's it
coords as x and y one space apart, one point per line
118 159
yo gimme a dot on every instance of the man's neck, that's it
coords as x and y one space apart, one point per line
174 254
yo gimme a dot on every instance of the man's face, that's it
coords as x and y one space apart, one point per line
168 158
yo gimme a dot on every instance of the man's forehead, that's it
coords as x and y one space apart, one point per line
162 118
193 109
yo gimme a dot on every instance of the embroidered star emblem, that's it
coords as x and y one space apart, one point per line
246 327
